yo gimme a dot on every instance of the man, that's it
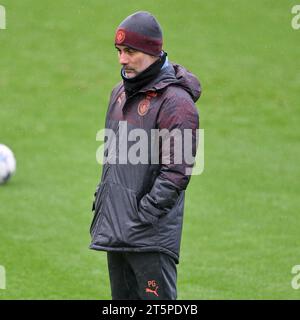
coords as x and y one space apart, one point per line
139 206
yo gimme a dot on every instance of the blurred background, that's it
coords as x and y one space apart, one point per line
58 64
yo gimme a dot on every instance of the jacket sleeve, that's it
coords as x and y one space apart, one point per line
176 113
112 96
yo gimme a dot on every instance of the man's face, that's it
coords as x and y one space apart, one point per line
134 61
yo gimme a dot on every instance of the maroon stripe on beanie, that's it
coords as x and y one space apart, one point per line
138 41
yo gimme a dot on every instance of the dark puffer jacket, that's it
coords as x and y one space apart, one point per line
139 207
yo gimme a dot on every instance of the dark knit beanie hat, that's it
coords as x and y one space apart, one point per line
140 31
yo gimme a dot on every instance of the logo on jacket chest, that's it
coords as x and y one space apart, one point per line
121 98
144 105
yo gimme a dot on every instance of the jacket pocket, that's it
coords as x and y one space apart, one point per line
98 204
121 224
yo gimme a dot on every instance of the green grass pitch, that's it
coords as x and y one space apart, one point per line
241 233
